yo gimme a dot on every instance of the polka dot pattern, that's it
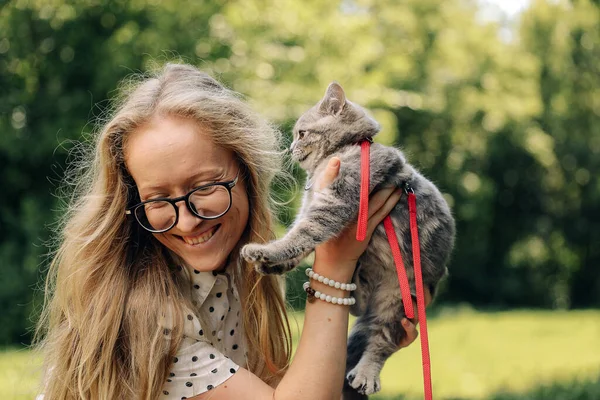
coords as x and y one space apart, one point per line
208 355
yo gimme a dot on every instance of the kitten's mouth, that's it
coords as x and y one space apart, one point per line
304 157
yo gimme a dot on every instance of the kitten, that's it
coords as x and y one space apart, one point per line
333 127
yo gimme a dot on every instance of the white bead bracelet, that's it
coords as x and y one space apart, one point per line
338 285
345 301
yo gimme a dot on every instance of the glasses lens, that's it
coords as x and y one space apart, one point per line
210 202
156 215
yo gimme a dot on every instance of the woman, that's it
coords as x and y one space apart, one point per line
147 297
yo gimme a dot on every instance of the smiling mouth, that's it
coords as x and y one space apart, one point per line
199 239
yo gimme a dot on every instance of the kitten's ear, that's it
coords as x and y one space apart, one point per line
334 101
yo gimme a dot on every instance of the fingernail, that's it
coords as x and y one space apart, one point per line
335 162
404 322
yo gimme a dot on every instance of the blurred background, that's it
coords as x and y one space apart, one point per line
498 102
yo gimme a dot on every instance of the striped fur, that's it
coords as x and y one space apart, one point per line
332 128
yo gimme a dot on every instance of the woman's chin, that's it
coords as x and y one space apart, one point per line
204 264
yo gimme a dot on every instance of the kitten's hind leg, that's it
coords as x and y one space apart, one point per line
326 217
384 313
357 344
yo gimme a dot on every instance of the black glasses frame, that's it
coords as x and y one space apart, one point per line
228 185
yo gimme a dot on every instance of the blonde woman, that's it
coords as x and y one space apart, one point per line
146 295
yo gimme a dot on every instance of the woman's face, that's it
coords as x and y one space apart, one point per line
170 156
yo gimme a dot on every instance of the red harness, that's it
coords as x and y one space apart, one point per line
361 232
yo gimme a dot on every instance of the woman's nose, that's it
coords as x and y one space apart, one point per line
187 222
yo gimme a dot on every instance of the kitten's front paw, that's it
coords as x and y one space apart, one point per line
258 255
364 380
255 253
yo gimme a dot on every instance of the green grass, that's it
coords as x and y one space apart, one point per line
517 355
19 374
477 355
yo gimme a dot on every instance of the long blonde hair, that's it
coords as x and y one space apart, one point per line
100 328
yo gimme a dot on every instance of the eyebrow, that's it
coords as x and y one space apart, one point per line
208 173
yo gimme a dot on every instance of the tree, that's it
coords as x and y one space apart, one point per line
60 63
507 129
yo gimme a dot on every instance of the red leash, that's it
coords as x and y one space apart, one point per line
363 208
400 269
412 208
361 231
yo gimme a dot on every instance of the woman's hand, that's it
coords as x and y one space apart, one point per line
345 249
411 327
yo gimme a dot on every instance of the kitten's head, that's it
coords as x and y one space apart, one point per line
331 124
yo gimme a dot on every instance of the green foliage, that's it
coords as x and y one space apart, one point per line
509 129
60 62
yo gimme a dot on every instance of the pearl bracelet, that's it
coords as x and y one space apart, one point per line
345 301
338 285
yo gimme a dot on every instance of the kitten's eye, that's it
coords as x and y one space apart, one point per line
301 134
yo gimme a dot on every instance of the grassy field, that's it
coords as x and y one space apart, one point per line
516 355
501 356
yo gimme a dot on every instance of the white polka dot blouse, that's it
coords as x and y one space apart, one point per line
208 355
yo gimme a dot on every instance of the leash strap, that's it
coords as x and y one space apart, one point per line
414 231
400 269
361 232
363 208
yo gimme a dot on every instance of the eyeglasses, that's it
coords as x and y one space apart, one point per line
207 202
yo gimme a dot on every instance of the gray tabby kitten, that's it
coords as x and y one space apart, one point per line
333 127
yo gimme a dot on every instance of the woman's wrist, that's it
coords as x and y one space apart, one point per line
339 272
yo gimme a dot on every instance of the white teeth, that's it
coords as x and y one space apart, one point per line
200 239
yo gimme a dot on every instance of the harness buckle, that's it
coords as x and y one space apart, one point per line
407 188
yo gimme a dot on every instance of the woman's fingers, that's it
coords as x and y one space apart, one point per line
379 213
427 295
411 333
380 204
329 175
378 199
